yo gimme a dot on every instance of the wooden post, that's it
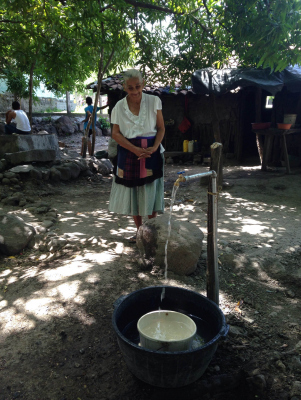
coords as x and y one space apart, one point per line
259 139
217 163
212 267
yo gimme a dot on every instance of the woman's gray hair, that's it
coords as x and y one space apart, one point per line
132 73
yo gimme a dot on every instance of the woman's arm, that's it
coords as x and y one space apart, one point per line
160 132
122 141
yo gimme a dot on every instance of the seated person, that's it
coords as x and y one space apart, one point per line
21 119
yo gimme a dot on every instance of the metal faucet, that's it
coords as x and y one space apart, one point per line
181 178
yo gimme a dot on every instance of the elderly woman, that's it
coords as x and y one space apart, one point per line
138 128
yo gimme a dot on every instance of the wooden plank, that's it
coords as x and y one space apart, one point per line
286 159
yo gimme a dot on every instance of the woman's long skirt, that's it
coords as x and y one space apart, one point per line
140 200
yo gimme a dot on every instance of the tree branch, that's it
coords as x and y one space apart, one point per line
9 21
106 7
151 7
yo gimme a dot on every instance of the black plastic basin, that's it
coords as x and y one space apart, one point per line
166 369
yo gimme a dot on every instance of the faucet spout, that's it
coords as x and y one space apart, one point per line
181 178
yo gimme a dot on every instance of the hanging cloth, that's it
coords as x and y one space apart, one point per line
185 124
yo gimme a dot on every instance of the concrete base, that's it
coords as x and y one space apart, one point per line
29 144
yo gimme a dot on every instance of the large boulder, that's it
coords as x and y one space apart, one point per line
15 234
184 244
64 125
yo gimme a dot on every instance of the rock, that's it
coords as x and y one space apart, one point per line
49 128
298 346
108 164
55 175
228 259
280 365
15 234
75 169
169 160
5 181
21 157
12 201
22 169
82 163
14 181
56 244
87 173
51 214
65 172
42 209
47 218
47 223
296 389
45 174
103 166
3 166
22 203
184 247
64 125
36 174
236 331
257 383
275 267
295 363
290 294
9 175
40 229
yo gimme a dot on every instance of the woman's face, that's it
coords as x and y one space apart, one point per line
134 87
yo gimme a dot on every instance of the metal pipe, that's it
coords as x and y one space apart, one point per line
183 178
213 175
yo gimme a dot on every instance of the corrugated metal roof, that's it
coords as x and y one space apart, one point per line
115 83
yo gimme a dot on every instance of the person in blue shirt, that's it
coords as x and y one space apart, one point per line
89 111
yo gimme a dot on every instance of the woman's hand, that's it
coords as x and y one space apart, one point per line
151 150
142 153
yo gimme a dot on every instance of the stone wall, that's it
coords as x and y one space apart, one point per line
41 105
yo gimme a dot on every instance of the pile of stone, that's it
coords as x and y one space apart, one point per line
63 126
56 171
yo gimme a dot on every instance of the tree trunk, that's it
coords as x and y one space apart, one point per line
30 92
68 103
101 72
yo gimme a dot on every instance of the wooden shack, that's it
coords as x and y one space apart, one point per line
236 108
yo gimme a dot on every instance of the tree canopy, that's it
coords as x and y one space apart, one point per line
61 41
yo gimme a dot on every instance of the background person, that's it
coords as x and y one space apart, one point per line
138 128
89 111
21 119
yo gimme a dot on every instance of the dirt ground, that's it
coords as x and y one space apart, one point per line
57 340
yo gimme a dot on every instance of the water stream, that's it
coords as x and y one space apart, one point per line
172 201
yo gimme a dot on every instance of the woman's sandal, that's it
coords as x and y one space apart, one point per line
132 239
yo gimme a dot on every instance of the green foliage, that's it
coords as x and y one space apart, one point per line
52 110
17 82
104 123
64 42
